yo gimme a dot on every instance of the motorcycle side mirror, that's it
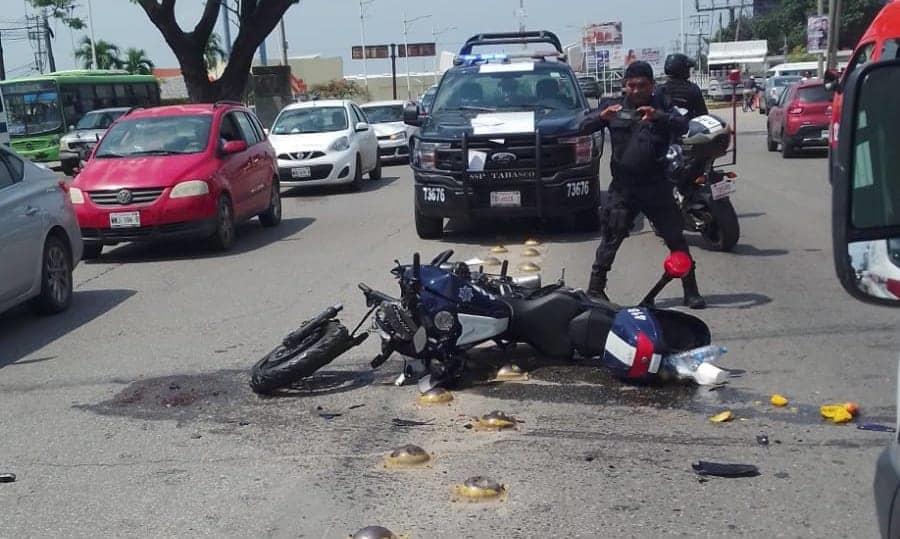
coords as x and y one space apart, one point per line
678 264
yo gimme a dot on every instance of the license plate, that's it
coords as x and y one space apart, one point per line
300 172
825 134
506 199
130 219
722 189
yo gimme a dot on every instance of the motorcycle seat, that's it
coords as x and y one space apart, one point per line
543 322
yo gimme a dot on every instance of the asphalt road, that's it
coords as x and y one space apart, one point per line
130 414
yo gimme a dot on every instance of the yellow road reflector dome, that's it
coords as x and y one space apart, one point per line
374 532
499 249
529 267
778 400
511 371
492 261
435 395
722 417
531 242
530 251
407 456
479 489
495 420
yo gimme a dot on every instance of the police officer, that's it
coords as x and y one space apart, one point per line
641 124
681 92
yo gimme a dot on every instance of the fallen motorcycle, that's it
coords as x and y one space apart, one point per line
446 309
703 191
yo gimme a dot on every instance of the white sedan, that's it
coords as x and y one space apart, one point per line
325 142
393 134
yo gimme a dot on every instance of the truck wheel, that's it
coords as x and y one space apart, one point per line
428 228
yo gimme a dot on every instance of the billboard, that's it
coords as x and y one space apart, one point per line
605 33
372 52
653 56
817 34
416 49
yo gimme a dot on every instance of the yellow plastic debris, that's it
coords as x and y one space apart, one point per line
722 417
836 413
778 400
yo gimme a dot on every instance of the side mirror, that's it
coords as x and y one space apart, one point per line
866 187
411 113
234 146
362 126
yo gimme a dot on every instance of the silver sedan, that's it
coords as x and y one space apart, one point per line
40 242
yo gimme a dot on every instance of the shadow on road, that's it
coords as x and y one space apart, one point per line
250 236
22 332
741 249
337 190
746 300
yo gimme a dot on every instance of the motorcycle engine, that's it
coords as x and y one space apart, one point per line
397 321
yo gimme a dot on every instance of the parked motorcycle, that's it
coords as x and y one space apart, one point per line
446 309
701 190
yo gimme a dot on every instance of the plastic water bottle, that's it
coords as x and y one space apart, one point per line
698 364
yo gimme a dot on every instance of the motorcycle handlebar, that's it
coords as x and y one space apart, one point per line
374 297
306 329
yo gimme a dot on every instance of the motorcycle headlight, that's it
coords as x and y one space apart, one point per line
399 136
444 321
190 188
76 195
425 154
340 145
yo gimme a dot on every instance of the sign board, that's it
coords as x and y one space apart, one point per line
606 33
654 57
416 49
817 34
372 52
610 57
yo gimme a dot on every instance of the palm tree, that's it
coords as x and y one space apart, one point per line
213 53
136 62
107 54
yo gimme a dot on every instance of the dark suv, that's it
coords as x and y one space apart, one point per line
507 136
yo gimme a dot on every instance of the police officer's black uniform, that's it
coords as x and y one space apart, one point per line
681 92
639 185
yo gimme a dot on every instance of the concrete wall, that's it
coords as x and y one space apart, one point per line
380 86
317 70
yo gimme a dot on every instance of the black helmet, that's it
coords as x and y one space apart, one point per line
679 66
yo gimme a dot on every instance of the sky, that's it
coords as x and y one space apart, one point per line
331 27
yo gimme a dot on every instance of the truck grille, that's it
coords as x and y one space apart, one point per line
554 156
118 197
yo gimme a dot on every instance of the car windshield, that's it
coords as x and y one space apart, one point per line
32 112
98 120
496 87
310 120
778 82
165 135
815 94
382 114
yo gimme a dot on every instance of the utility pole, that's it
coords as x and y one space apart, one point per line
284 44
434 35
406 24
683 35
2 63
394 68
834 27
522 14
93 41
362 35
820 7
47 35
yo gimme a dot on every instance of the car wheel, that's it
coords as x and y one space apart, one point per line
272 215
223 238
357 182
56 277
92 250
770 142
375 173
428 228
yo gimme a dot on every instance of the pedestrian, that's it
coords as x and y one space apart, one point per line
641 126
749 94
678 90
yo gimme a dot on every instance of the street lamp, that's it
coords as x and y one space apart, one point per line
434 34
362 31
406 23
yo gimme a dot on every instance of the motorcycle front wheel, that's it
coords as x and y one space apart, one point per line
723 230
284 366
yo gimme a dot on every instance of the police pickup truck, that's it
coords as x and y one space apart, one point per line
508 135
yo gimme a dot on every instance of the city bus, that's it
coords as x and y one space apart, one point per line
39 109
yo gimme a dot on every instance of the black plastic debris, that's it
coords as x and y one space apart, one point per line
355 406
7 478
725 470
876 427
398 422
762 439
329 415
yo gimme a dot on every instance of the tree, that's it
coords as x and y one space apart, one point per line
107 54
213 54
61 9
339 89
136 62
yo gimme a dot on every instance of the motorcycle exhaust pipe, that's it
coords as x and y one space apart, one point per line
528 281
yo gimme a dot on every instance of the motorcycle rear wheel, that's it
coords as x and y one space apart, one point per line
284 366
723 232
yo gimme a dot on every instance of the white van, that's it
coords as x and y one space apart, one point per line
797 69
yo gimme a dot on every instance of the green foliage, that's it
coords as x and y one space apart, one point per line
136 62
61 9
108 55
339 89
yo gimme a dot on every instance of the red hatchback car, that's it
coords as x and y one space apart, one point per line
177 172
801 118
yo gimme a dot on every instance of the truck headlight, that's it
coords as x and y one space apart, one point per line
190 188
584 148
425 154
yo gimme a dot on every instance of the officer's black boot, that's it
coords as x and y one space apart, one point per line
597 286
692 297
